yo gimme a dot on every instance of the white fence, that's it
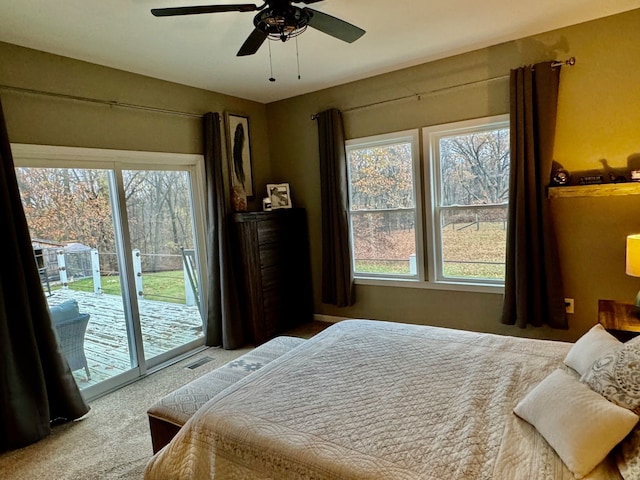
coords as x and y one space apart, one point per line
188 267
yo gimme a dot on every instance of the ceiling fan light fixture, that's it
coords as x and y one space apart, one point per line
282 25
286 33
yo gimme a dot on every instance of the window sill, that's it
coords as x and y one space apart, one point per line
409 283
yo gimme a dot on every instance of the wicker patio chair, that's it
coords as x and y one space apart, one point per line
71 326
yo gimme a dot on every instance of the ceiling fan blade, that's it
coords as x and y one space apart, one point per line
334 26
253 42
306 2
173 11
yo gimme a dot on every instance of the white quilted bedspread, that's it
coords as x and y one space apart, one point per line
377 400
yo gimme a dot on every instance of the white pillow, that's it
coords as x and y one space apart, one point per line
589 348
580 425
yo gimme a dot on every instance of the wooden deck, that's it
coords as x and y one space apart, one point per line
164 327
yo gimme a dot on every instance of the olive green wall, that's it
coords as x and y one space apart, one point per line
598 117
49 120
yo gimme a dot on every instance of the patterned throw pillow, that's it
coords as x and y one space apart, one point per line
629 450
616 376
628 457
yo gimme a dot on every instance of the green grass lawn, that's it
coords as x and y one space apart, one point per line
161 286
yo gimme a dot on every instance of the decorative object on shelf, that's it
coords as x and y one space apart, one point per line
238 199
633 262
559 176
239 148
279 195
591 180
615 176
266 204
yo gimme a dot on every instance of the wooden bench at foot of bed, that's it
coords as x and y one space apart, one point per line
171 412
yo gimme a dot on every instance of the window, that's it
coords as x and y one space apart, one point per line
469 170
466 173
384 218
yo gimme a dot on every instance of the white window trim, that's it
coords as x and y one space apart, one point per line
430 137
412 136
427 241
426 285
43 156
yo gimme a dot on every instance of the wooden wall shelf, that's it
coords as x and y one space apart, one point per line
602 190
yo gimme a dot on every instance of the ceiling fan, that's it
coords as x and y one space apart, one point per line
276 19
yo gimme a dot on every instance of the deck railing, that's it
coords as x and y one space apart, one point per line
68 273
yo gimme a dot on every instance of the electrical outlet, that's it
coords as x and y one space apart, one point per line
568 305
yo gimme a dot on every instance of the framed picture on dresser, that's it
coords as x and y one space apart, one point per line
279 195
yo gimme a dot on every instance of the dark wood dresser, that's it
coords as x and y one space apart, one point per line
273 271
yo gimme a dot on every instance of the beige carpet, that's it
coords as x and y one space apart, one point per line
112 441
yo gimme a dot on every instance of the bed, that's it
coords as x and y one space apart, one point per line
379 400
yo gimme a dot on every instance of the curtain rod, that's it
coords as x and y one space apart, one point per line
569 62
111 103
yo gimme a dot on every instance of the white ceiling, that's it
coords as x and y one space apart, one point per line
200 50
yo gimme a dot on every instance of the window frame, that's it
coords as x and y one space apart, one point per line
426 174
50 156
433 180
405 136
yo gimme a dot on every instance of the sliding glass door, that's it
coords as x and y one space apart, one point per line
116 237
164 261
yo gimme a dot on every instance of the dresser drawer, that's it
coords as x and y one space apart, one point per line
272 254
272 278
270 231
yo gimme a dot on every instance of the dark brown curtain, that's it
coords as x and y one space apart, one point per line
37 387
337 267
533 284
223 323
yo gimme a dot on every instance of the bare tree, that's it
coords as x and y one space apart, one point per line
73 205
475 168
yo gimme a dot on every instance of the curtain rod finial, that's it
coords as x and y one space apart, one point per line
571 61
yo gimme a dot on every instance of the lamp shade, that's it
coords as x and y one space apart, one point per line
633 255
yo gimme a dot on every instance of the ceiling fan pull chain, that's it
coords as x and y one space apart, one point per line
298 58
271 78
